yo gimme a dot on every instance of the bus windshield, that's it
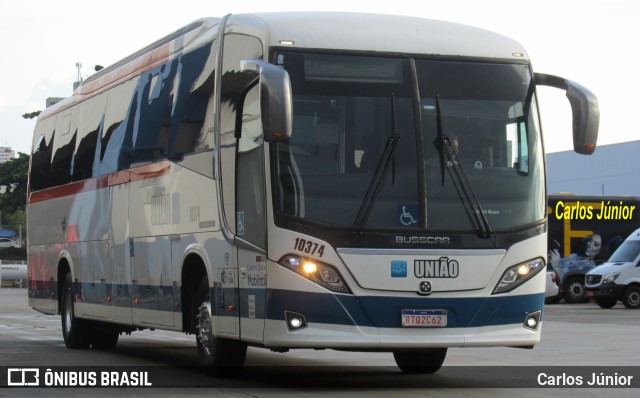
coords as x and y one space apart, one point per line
346 108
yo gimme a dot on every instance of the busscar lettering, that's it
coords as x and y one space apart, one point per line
424 240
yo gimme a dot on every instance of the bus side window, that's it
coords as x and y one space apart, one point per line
90 128
60 172
117 117
41 161
152 110
63 148
250 186
85 154
191 96
42 154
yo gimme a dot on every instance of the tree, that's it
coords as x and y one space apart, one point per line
31 115
13 175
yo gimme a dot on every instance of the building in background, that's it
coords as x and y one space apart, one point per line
6 153
611 170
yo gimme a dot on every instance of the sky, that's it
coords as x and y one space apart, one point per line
592 42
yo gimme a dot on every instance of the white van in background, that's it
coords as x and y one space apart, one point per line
618 278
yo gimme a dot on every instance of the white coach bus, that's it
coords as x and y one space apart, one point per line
300 180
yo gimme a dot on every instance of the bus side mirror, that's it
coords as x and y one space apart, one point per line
584 106
275 99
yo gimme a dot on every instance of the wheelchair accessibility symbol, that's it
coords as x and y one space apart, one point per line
240 223
408 215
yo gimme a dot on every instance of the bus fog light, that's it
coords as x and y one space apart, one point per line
532 321
295 321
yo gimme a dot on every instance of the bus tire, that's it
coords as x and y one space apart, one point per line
104 337
631 297
606 302
76 332
574 290
217 356
424 361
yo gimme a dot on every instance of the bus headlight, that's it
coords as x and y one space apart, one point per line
323 274
517 275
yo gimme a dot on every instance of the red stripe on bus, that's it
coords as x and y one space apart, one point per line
141 173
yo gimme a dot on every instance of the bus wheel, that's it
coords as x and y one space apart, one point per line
631 297
76 332
606 302
423 361
218 357
104 337
574 290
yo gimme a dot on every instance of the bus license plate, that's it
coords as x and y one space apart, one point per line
424 318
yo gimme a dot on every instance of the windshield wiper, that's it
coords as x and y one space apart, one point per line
449 161
441 140
382 169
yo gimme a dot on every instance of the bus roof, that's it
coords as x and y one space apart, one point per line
386 33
